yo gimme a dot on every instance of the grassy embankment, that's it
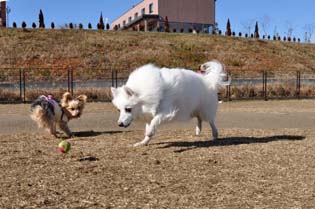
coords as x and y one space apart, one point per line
93 54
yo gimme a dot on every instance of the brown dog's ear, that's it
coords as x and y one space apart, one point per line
82 98
66 97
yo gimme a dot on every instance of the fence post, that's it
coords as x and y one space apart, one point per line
298 84
24 99
265 85
68 80
71 81
228 88
112 78
116 79
21 99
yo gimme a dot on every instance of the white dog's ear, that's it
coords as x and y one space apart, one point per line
114 91
129 91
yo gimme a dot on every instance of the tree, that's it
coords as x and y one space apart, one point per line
228 28
23 24
14 25
309 31
247 25
90 25
71 25
167 25
33 25
275 32
80 26
290 29
264 23
216 29
101 25
256 33
41 19
52 25
107 26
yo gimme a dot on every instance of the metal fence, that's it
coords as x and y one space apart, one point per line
25 85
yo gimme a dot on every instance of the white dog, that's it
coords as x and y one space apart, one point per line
170 94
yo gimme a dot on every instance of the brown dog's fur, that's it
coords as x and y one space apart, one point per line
49 114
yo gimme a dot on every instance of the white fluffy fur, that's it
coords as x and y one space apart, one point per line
170 94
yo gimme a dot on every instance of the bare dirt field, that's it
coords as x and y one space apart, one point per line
264 158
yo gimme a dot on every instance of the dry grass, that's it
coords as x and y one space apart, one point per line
124 51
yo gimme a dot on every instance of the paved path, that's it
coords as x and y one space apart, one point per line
103 117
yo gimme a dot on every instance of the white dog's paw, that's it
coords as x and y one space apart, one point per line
138 144
198 131
145 141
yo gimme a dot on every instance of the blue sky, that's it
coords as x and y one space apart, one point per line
279 15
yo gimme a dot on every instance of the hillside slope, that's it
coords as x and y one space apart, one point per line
86 49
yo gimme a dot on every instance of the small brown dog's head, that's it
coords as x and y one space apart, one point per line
73 107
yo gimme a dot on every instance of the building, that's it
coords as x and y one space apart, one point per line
2 14
182 16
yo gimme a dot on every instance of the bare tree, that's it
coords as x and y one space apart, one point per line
264 23
248 25
275 32
290 29
309 31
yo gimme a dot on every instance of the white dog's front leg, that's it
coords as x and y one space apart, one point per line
199 126
150 130
214 130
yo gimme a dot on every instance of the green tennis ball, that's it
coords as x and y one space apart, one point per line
64 147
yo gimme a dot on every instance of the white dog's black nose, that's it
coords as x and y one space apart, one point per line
121 125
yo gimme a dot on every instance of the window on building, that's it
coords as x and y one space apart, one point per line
136 15
151 8
129 19
118 26
142 11
124 22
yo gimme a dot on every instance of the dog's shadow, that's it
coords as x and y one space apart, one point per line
83 134
228 141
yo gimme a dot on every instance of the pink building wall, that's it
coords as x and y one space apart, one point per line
188 11
182 11
137 9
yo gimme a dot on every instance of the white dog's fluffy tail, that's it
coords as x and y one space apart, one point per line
215 75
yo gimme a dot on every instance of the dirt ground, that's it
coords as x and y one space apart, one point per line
264 159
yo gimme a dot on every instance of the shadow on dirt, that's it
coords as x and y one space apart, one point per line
95 133
228 141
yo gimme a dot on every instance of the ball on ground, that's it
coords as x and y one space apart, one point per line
64 147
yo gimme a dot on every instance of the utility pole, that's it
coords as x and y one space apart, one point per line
8 10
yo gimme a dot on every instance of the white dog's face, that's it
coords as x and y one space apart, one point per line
127 103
